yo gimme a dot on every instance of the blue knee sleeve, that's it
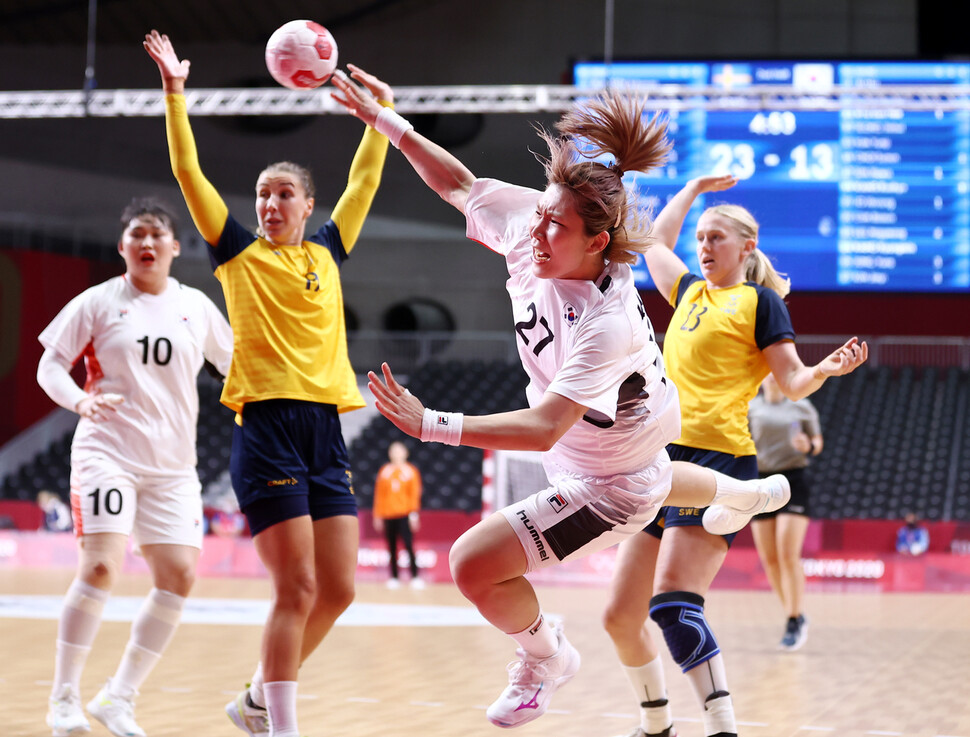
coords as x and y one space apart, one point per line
680 616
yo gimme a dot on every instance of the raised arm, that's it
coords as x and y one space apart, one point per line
365 171
664 265
208 210
441 171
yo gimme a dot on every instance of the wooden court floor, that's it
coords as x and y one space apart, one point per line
874 664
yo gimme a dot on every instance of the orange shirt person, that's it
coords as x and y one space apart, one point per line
397 499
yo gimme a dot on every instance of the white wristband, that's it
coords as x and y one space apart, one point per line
392 125
441 427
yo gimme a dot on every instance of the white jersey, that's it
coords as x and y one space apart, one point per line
148 348
589 342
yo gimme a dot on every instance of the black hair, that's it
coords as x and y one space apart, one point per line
153 207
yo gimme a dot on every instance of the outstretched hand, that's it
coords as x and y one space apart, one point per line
395 402
172 69
844 360
358 103
378 88
714 183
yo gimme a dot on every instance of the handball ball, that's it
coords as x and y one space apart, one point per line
301 54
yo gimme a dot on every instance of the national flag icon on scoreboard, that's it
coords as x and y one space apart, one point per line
731 76
813 77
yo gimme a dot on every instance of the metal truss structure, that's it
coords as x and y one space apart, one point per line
479 99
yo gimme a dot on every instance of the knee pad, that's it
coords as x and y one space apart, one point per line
680 616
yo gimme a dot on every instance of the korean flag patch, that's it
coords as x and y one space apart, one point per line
569 314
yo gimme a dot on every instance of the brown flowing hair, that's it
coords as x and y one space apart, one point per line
613 124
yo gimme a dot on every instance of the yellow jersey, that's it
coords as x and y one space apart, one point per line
713 353
285 303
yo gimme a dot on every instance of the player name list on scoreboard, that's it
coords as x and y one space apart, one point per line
863 197
903 186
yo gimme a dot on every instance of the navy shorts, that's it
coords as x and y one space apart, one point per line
799 502
289 460
740 467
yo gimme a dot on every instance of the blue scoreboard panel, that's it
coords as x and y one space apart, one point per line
850 199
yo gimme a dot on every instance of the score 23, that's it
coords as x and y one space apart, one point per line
809 161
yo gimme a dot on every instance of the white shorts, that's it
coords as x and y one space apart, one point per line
579 514
158 510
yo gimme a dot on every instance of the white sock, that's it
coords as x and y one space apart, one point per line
539 639
281 705
135 665
709 681
151 632
76 629
649 686
719 716
256 687
69 663
741 496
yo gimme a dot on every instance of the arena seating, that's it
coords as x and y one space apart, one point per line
452 476
897 439
51 469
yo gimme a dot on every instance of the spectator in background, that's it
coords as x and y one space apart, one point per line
912 538
57 515
786 434
397 499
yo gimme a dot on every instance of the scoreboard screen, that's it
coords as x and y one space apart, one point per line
867 198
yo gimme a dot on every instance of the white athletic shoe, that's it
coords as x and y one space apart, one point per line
65 715
532 682
250 718
772 493
115 713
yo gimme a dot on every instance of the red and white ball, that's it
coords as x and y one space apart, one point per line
301 54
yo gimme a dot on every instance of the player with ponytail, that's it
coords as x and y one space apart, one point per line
730 328
600 405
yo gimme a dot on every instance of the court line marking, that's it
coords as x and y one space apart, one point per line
564 712
251 612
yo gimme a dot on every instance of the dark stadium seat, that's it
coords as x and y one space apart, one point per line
452 476
896 440
893 444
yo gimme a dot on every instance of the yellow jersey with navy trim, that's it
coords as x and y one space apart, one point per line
285 303
713 353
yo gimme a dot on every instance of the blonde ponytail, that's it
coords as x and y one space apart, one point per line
759 269
757 266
